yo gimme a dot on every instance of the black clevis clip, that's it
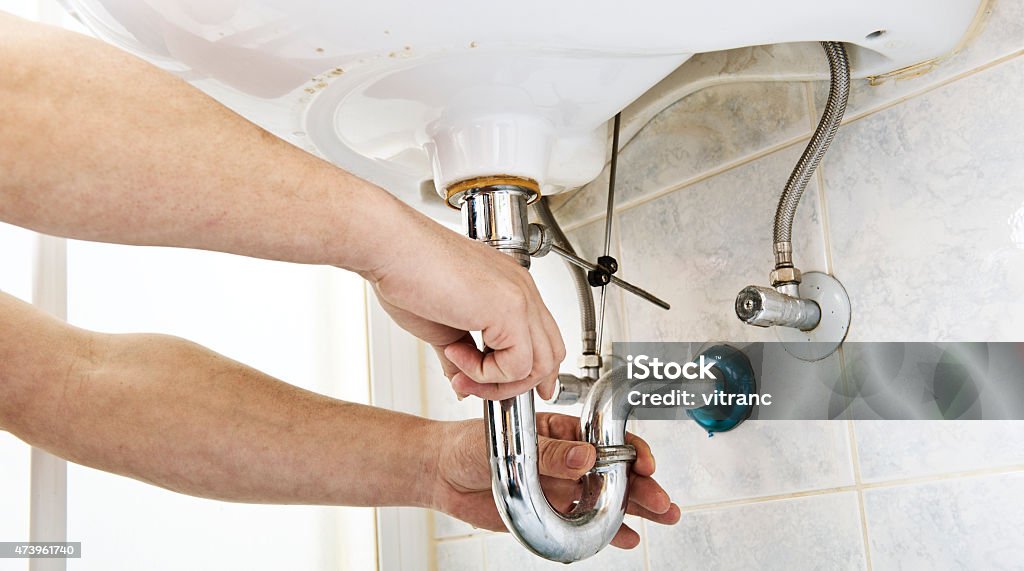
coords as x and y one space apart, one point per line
602 276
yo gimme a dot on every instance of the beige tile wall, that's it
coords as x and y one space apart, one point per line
919 210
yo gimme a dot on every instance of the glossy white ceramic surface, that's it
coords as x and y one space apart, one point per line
404 92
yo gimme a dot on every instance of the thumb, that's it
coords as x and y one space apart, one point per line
564 459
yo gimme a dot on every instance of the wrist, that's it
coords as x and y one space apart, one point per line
360 219
428 489
384 237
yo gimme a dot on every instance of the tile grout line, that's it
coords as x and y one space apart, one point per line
962 474
826 223
645 545
981 472
766 499
826 234
617 224
819 177
696 179
785 144
483 553
855 460
934 86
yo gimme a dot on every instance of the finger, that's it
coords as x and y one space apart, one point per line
501 365
544 365
546 388
463 384
547 372
565 459
565 427
561 494
626 538
555 339
545 385
644 463
560 426
648 494
670 517
547 319
447 366
450 368
511 341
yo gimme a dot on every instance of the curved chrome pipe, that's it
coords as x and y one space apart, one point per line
515 480
496 215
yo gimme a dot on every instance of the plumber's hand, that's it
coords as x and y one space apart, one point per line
439 285
464 482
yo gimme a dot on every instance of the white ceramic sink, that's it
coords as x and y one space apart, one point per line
406 92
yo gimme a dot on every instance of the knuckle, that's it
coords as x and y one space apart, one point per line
522 275
521 371
542 366
513 296
515 369
502 338
476 373
560 352
551 455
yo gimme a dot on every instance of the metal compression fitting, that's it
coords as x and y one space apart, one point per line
496 215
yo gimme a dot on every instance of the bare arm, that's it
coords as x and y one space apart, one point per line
171 413
98 145
102 146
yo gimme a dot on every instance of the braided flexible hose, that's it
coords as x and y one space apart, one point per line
838 93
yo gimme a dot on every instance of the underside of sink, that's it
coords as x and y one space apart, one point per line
417 97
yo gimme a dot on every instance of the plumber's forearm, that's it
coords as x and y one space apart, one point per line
168 412
119 151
